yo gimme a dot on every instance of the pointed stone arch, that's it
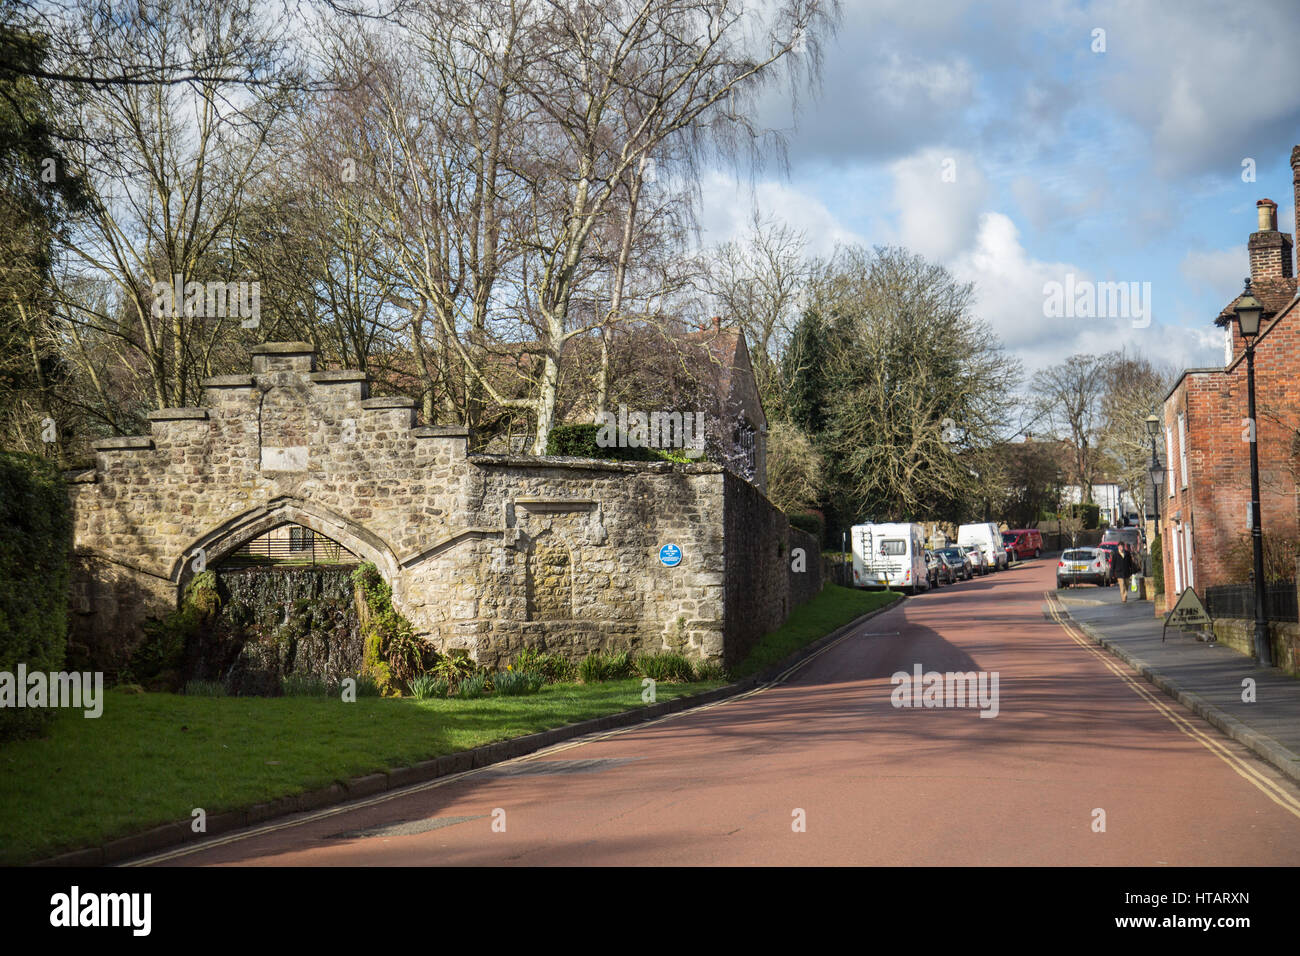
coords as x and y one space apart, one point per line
233 534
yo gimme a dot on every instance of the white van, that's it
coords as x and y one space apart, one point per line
988 539
889 555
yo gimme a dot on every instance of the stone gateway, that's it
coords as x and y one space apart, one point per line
484 553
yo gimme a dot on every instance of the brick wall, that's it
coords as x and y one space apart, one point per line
1217 495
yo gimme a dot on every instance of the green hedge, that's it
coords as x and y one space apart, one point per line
811 522
35 539
579 441
1158 565
1091 514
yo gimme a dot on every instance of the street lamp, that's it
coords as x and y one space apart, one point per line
1248 311
1157 471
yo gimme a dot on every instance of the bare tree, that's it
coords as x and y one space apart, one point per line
623 78
759 282
1069 398
168 167
1134 387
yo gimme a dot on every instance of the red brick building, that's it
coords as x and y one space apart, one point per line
1205 508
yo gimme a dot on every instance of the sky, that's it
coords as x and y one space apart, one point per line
1018 146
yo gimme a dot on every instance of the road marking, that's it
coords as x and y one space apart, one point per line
455 778
1268 787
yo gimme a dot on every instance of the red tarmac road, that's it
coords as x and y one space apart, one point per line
876 784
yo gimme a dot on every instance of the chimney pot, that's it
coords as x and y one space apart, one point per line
717 323
1267 212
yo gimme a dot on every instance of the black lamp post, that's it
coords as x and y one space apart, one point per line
1248 311
1157 470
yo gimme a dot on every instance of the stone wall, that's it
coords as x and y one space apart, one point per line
1239 634
762 588
484 553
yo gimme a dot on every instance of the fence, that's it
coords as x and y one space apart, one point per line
290 544
1238 600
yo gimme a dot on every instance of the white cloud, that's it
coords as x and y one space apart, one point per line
938 195
725 213
1219 272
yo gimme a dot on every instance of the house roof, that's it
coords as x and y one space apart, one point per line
1276 295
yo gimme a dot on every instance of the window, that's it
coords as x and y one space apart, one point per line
746 445
1182 445
299 538
1169 458
893 548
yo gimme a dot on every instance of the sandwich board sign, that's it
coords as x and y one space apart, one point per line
1188 614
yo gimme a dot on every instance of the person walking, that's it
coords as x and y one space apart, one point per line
1123 568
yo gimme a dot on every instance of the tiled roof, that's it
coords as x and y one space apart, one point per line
1274 294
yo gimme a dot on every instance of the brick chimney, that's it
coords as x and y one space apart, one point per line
1270 250
717 323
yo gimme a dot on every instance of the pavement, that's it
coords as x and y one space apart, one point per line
1208 678
1084 764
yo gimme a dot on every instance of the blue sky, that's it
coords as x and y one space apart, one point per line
1122 165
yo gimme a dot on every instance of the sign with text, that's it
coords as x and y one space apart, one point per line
1187 614
670 555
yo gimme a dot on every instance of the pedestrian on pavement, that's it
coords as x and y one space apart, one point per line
1123 568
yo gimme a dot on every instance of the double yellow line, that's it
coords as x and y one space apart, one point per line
1280 795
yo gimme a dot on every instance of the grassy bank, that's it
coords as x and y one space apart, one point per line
153 758
834 607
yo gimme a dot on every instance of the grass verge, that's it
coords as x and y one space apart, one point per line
154 758
834 607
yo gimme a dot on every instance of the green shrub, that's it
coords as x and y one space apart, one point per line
665 668
472 687
1157 565
302 685
367 686
394 655
428 687
601 667
453 667
811 522
1089 512
205 688
158 658
35 540
512 683
710 670
580 441
554 668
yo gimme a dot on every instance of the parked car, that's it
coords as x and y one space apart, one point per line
957 563
1023 543
985 537
938 571
1130 536
1083 566
975 558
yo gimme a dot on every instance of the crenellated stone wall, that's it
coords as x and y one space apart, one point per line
485 553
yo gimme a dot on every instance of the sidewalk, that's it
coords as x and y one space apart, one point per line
1206 678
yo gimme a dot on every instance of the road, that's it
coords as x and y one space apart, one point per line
874 784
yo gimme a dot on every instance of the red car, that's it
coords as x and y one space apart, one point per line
1023 543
